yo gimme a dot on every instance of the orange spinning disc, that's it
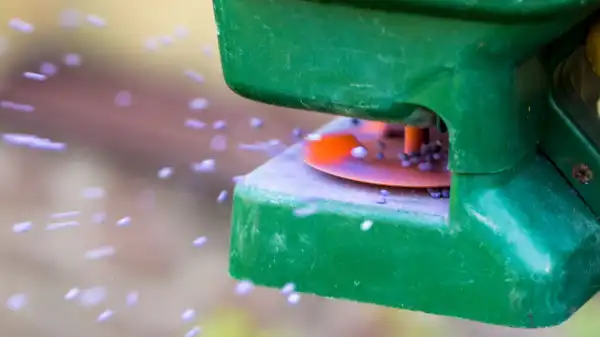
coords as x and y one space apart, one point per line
381 161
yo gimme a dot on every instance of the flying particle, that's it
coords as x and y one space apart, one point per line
181 32
125 221
52 226
244 287
193 332
366 225
92 296
198 104
293 298
194 76
16 302
33 141
99 218
17 106
72 294
22 227
35 76
106 314
198 242
218 143
167 40
48 69
132 298
207 165
188 315
21 26
151 44
194 124
93 193
95 20
359 152
72 60
288 288
256 122
272 147
165 172
208 51
100 253
123 99
68 214
220 125
222 197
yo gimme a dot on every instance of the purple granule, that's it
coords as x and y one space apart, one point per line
425 166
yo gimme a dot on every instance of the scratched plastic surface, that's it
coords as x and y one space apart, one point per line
378 64
524 264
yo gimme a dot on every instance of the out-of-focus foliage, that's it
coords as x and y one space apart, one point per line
229 322
232 322
413 324
585 322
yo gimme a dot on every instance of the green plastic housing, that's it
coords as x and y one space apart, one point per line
459 59
518 248
515 245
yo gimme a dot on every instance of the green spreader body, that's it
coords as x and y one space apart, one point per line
518 241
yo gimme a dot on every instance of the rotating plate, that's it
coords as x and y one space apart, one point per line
382 165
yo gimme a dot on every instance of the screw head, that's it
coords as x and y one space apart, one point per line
583 173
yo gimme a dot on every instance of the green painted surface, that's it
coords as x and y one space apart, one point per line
515 245
525 264
568 147
366 63
492 10
571 128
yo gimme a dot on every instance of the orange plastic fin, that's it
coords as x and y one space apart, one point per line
413 139
330 148
370 127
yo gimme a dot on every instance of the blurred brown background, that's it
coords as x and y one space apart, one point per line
150 54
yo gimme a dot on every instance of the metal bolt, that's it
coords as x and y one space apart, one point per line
583 173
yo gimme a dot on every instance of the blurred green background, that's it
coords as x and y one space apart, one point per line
155 52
